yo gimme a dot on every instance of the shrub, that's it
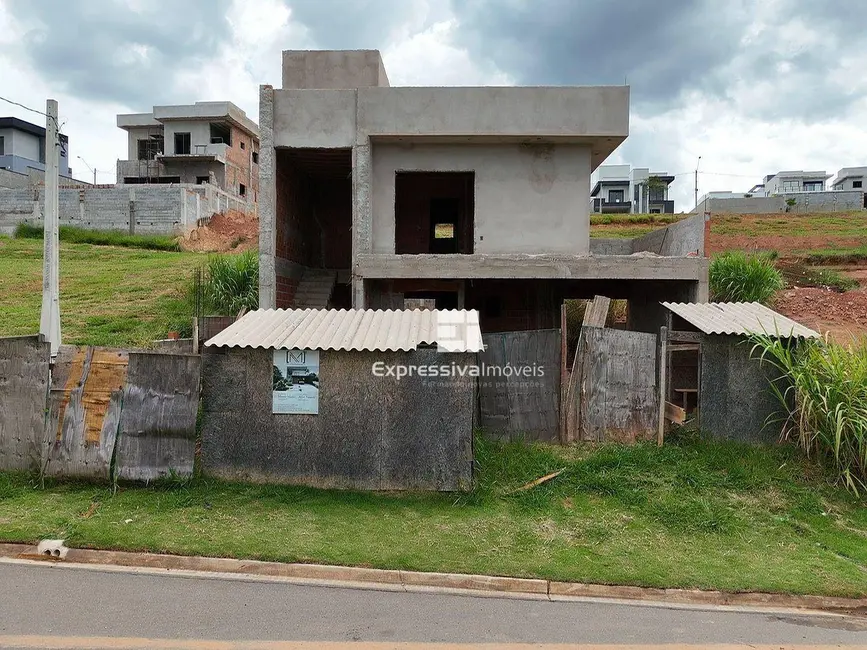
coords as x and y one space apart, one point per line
823 391
231 283
738 277
74 235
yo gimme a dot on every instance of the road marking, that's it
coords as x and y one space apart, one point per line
37 642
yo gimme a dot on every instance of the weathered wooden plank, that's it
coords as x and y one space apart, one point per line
513 406
663 382
596 312
158 423
686 337
23 393
674 413
619 395
86 411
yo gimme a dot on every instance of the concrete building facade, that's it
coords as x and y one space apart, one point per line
205 142
474 198
851 178
22 147
624 189
791 182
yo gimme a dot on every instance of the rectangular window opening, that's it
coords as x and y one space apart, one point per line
854 183
182 143
242 189
255 157
150 147
201 180
434 212
221 134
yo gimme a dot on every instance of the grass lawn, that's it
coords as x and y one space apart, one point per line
108 295
792 224
692 514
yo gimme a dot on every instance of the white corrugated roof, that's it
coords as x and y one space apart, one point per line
353 329
739 318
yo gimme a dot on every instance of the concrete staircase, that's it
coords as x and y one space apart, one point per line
314 290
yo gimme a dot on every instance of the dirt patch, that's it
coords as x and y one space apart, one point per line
842 315
226 231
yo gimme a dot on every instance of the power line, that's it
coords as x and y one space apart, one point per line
33 110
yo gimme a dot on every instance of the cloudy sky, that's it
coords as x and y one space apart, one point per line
751 87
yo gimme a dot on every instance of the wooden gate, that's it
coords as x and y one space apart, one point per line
518 406
613 392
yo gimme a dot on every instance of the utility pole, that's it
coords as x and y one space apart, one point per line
49 321
696 182
93 169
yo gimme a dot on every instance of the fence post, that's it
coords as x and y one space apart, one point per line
663 363
564 387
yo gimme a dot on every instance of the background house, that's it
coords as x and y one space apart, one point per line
792 181
22 147
205 142
620 188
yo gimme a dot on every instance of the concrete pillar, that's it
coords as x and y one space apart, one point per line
361 214
267 201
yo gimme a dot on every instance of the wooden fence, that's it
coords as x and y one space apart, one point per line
613 392
106 413
513 405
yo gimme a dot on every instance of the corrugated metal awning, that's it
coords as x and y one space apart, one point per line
742 318
353 329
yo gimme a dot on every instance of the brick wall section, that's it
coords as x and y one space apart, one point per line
286 288
239 164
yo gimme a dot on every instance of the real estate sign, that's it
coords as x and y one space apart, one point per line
295 387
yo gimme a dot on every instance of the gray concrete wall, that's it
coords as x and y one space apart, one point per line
752 205
333 69
23 393
682 238
826 201
831 201
528 198
13 180
495 111
156 209
314 118
735 399
371 432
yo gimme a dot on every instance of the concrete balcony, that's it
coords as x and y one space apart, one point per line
215 152
518 266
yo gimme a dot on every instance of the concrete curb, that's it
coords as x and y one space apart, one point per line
417 581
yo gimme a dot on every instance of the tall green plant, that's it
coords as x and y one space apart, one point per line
738 277
232 283
823 391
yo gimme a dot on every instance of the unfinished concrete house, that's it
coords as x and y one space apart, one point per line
205 142
473 198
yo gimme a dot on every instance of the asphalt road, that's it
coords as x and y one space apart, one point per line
57 606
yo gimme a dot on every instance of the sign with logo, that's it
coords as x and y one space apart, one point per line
458 331
295 387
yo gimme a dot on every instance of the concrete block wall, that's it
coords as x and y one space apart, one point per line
826 201
16 206
833 201
156 209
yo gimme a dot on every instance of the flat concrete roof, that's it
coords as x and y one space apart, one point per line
205 111
128 121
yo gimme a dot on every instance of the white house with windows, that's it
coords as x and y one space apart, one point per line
791 182
851 178
623 189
